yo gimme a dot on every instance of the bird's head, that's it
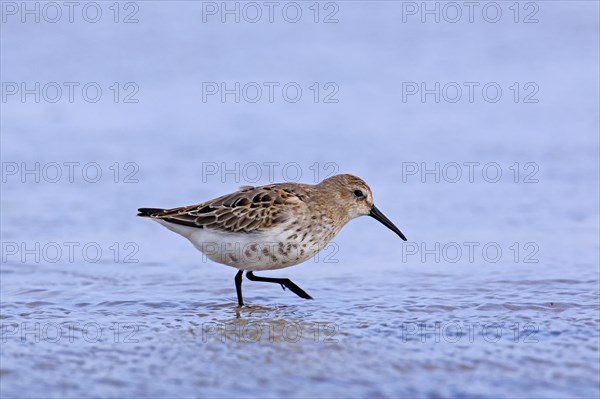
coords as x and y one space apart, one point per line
356 198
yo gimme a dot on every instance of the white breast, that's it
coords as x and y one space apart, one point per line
266 250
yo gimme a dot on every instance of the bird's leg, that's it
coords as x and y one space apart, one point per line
238 287
285 282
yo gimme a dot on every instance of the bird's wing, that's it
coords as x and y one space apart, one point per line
248 210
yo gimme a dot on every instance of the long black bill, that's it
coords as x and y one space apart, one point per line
376 214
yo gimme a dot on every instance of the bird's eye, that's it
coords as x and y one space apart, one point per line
358 193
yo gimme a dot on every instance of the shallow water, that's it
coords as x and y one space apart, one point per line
150 330
496 294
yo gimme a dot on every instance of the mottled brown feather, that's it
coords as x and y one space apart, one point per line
249 210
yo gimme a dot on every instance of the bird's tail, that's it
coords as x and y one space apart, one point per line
148 212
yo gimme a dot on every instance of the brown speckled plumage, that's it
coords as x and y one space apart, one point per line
272 226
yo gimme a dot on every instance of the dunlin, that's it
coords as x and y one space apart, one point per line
273 226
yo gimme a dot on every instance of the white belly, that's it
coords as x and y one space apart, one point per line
253 251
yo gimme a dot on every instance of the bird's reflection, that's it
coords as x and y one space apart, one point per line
264 324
